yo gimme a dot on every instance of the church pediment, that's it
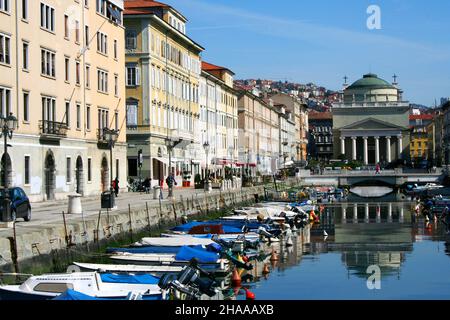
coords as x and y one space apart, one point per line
372 124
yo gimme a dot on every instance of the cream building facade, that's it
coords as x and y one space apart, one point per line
162 86
62 76
299 111
218 123
260 127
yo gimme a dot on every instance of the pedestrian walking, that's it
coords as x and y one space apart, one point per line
171 181
377 169
116 186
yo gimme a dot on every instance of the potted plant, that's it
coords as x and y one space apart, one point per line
186 179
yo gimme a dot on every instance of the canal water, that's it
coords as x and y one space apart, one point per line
413 257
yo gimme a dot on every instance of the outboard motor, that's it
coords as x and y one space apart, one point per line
188 281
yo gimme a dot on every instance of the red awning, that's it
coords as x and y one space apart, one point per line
244 164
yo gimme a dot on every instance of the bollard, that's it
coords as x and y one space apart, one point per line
131 226
98 224
65 229
148 216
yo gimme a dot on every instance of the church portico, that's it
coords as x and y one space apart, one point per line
371 148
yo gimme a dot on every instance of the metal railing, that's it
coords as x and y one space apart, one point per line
48 127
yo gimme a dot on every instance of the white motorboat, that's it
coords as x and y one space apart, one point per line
94 284
428 186
250 236
130 268
187 240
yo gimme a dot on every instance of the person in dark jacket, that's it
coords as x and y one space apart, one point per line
116 186
171 181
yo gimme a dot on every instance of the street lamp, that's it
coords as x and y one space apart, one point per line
111 136
7 124
170 145
206 147
231 151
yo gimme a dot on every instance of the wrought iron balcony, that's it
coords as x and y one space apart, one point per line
53 128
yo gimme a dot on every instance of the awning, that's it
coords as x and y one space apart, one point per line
163 160
195 161
244 164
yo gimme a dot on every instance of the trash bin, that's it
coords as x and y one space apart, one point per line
74 204
107 200
156 191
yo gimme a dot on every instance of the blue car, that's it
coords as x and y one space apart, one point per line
20 204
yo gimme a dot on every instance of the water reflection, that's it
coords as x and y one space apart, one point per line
360 234
374 234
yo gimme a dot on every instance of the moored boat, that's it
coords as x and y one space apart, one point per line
94 284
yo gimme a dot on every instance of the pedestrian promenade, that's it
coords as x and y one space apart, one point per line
51 211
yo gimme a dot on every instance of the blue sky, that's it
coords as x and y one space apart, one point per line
321 41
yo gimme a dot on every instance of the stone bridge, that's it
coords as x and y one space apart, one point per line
344 177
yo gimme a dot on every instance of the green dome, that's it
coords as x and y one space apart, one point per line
371 81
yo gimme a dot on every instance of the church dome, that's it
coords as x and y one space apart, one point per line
371 81
371 89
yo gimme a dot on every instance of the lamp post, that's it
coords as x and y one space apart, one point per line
110 136
206 147
170 145
231 151
7 124
248 175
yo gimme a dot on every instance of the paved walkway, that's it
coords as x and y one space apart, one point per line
51 211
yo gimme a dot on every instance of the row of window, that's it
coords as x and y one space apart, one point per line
49 110
165 50
218 118
175 86
322 129
160 117
48 65
27 169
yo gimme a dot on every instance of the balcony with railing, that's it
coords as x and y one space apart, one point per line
53 129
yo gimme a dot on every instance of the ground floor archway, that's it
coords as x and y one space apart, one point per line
49 172
104 174
79 176
6 164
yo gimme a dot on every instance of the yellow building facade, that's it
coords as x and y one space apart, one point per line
162 85
62 76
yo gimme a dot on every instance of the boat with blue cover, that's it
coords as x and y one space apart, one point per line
210 261
94 284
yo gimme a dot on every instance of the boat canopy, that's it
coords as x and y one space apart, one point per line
226 228
129 278
187 253
71 294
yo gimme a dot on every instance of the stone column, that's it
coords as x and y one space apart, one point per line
354 148
344 214
390 212
402 215
366 152
377 149
366 218
400 146
355 213
388 149
342 145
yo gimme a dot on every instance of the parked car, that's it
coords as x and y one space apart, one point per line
20 204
